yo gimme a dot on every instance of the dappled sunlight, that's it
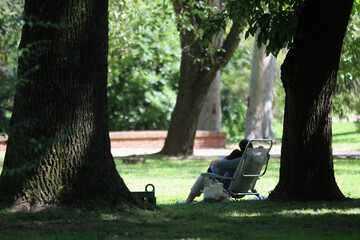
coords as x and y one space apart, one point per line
323 211
237 214
238 220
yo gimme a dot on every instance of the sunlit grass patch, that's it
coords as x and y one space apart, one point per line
320 211
346 136
173 179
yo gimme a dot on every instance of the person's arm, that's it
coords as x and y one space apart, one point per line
226 164
215 163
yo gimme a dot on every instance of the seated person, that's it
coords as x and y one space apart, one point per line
224 167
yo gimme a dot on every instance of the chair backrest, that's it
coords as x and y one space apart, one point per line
249 169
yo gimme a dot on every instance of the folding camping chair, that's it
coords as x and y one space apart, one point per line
252 166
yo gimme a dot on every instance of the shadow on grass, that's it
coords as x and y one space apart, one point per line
238 220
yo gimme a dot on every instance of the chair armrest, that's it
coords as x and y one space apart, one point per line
213 175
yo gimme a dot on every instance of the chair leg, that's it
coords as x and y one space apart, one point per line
256 193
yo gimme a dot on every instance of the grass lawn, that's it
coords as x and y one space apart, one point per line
173 179
346 135
244 219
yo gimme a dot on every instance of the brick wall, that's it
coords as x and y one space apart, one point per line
3 140
153 139
156 139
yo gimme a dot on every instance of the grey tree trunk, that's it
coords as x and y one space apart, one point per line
268 81
210 115
259 112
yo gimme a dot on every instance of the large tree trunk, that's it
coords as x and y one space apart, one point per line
259 113
58 151
309 78
194 83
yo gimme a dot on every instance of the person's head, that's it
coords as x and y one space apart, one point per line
243 143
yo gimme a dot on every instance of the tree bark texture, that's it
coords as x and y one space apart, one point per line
259 112
210 115
309 77
194 83
268 76
58 151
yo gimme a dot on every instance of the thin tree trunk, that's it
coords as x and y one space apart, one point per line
259 113
58 151
309 78
254 114
268 76
210 115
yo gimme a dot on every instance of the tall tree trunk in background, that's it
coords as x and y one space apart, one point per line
268 77
309 78
58 151
259 112
210 115
194 83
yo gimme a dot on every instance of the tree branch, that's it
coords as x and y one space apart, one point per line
230 44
